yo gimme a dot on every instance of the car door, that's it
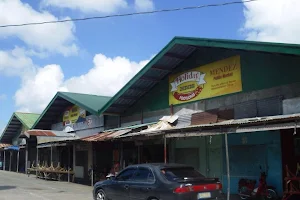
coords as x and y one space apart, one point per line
142 185
119 188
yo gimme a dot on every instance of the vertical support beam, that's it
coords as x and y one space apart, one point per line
121 156
26 157
18 157
4 161
69 154
227 166
139 154
10 155
37 161
171 110
165 149
51 154
74 157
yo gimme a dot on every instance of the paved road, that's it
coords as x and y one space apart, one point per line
22 187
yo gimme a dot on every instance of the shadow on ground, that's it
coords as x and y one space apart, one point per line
6 187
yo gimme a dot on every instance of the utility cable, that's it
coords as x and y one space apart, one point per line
130 14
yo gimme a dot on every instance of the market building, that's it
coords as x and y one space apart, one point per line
13 152
57 132
214 87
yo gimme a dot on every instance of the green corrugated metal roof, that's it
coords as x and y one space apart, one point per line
27 119
18 119
91 103
278 48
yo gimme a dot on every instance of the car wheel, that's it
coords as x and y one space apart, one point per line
100 195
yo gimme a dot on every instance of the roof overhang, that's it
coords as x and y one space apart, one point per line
12 130
258 124
46 133
171 56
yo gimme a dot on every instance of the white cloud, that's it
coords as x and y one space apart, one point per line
89 6
144 5
106 78
36 92
16 63
52 38
3 97
273 21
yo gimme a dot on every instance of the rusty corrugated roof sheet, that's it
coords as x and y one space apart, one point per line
2 146
47 133
207 117
106 136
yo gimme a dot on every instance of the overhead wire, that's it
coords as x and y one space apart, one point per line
130 14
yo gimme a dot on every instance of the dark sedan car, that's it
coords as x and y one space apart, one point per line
158 181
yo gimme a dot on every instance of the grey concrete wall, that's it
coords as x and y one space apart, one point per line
228 101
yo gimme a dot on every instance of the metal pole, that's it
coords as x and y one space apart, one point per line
69 154
4 161
165 149
92 178
51 155
26 157
10 155
37 158
227 165
18 157
139 159
121 155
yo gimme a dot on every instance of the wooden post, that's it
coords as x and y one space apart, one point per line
51 154
26 157
10 155
227 166
139 159
4 161
18 157
165 149
121 156
37 161
69 154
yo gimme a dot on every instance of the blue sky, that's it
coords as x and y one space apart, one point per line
77 57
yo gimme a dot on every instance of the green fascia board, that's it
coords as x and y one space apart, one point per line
67 96
268 47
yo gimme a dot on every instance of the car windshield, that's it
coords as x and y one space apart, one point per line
173 174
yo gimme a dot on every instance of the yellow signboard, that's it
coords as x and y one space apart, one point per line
74 114
211 80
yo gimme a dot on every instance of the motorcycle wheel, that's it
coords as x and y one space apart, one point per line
271 194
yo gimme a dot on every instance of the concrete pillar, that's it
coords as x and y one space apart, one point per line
18 157
4 161
74 156
10 155
26 157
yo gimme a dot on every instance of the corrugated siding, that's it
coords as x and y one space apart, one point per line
207 117
184 120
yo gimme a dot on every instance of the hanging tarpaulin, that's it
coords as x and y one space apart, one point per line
14 148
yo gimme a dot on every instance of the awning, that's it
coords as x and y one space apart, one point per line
230 126
47 133
115 133
13 148
105 136
47 145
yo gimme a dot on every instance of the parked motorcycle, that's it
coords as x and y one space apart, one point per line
247 189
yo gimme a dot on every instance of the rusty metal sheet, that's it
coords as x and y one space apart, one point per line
207 117
41 133
95 138
4 145
226 114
